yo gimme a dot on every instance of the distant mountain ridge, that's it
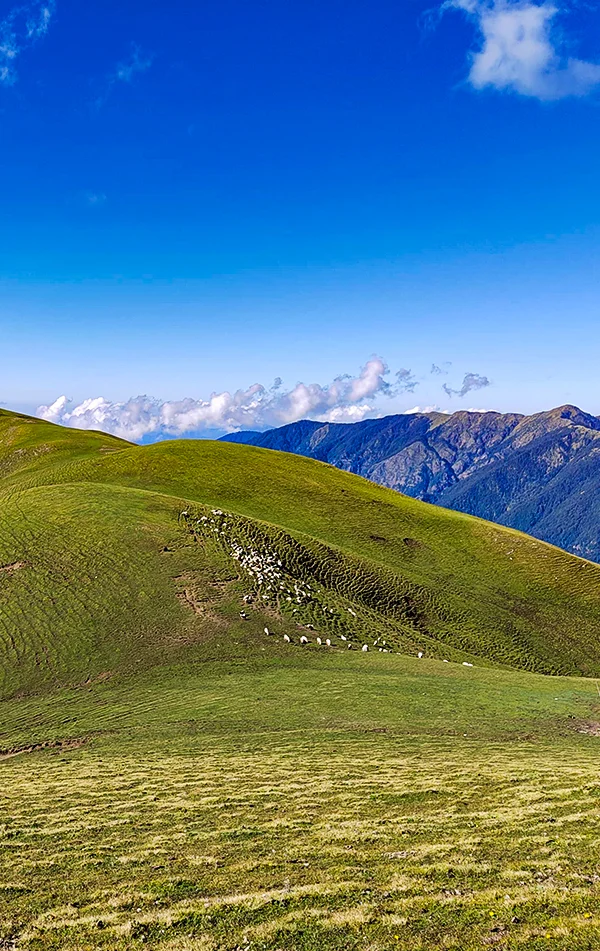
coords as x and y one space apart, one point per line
539 474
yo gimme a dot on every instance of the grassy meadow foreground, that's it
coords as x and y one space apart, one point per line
172 775
338 802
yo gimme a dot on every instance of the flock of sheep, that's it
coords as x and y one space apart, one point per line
265 568
322 643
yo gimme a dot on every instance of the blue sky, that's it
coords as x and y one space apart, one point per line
200 198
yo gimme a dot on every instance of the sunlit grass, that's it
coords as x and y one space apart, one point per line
172 776
319 837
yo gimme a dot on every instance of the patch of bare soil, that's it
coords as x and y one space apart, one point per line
62 746
412 543
590 728
98 679
15 566
187 596
202 597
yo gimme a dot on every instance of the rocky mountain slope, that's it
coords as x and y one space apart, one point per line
540 473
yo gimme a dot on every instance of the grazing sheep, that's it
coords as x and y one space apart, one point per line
243 616
466 664
328 642
267 631
304 640
319 641
365 647
287 638
420 654
343 637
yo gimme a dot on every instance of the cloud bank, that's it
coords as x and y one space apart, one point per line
19 30
520 52
347 399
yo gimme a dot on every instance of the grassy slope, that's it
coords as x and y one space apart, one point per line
29 445
199 786
478 588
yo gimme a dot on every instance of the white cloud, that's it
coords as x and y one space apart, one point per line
520 51
124 72
94 198
471 381
19 30
138 62
346 399
426 409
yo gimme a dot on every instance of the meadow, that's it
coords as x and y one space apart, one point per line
303 802
179 770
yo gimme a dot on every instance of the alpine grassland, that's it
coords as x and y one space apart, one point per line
251 701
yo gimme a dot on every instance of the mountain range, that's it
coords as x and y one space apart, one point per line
539 474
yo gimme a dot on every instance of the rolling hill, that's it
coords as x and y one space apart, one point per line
99 569
180 770
539 474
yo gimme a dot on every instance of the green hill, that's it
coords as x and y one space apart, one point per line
28 445
95 562
175 776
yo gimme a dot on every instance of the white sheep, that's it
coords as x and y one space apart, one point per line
319 641
328 642
365 647
304 640
287 638
420 654
466 663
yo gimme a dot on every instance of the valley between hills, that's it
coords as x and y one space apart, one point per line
250 700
